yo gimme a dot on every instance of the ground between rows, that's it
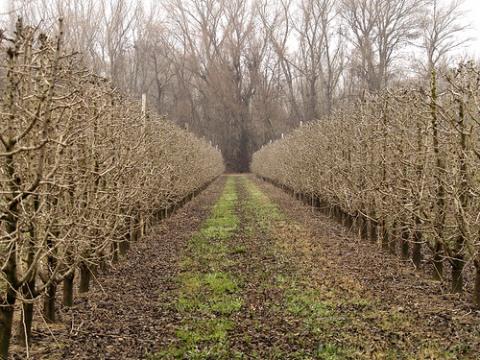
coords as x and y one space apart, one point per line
246 272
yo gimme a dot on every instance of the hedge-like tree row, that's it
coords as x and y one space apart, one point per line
82 173
402 167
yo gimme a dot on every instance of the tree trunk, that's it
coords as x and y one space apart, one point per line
404 242
102 261
68 290
417 255
347 220
85 277
393 238
9 296
6 321
373 231
49 303
439 217
115 251
476 288
457 274
25 325
384 235
124 246
363 228
463 201
438 263
142 224
133 229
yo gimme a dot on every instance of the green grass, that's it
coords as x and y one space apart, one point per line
307 304
192 339
238 250
220 283
261 209
214 330
209 294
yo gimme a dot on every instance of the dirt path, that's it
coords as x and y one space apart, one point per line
245 272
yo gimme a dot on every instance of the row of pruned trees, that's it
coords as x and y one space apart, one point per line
83 171
402 167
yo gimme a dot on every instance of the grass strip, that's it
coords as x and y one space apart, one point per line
208 294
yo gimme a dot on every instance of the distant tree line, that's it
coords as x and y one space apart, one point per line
242 72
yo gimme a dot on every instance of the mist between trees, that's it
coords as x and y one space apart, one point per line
83 173
242 72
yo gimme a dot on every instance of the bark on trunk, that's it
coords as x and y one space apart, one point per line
373 233
102 261
7 303
68 290
457 274
476 288
417 255
123 247
85 277
347 220
384 235
404 243
363 228
115 251
439 217
438 262
49 312
463 199
25 325
6 321
393 238
134 230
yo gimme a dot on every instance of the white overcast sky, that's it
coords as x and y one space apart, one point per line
472 12
472 8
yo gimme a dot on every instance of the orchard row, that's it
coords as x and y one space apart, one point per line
402 167
83 172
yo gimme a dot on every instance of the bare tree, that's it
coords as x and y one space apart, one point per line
278 26
442 31
379 29
321 55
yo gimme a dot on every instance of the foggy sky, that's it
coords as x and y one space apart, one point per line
472 8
